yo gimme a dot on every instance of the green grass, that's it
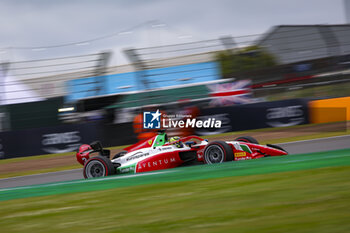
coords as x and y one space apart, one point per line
316 200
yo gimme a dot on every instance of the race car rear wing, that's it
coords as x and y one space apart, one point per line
97 147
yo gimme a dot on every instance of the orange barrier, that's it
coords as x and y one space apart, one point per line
329 110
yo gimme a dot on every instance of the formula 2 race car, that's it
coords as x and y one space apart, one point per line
160 153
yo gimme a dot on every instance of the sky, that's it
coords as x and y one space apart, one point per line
30 27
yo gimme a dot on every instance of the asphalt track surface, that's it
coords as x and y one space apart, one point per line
298 147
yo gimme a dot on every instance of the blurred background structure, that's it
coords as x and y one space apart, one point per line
287 62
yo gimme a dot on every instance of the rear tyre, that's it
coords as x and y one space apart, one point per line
217 152
247 139
98 166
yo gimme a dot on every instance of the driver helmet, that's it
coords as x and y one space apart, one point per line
174 139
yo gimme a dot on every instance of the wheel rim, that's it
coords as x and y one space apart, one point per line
95 169
214 154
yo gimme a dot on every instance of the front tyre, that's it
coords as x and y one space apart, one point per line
217 152
98 166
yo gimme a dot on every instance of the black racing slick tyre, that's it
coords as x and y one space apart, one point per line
247 139
98 166
217 152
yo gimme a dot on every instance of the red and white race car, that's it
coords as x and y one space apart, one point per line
160 153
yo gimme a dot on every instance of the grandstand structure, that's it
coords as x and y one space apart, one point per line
298 43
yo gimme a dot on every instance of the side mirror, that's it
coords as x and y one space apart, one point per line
190 144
